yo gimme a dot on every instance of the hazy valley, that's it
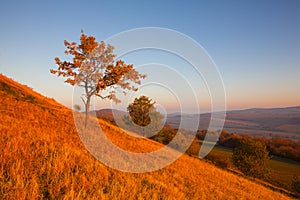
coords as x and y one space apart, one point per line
266 122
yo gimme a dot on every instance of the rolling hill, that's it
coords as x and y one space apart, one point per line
42 157
267 122
111 115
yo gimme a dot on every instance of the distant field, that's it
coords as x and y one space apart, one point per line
281 169
272 122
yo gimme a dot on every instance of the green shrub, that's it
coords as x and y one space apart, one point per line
251 157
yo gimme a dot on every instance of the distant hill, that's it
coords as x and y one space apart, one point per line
110 114
42 157
268 122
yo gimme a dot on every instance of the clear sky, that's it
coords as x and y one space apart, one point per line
255 44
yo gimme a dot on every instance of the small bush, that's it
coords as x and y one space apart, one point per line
251 157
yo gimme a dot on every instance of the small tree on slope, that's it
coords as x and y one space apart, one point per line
93 68
143 114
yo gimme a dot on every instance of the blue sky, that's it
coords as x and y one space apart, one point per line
255 44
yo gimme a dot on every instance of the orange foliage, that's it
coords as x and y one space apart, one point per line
93 68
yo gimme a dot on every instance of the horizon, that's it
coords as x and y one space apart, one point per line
172 111
243 109
255 47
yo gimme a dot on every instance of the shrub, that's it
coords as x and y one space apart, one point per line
251 157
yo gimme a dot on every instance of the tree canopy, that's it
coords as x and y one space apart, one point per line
143 117
251 158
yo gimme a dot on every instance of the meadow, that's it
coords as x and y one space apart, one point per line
42 157
281 172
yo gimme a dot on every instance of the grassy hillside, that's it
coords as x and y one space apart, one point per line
43 157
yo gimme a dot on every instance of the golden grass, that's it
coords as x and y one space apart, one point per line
43 157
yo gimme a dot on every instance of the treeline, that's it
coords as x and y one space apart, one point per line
250 154
277 146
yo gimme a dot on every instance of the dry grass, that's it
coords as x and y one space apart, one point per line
43 157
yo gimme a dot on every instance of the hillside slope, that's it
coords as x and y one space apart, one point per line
43 157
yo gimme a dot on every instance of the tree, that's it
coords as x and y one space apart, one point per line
143 114
93 68
139 110
251 157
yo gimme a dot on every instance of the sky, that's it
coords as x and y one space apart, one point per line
254 44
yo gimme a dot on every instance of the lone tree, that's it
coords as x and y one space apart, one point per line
143 113
93 67
251 158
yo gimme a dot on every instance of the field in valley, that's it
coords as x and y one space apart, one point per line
281 170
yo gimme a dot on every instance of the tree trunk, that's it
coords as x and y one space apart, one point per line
87 110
